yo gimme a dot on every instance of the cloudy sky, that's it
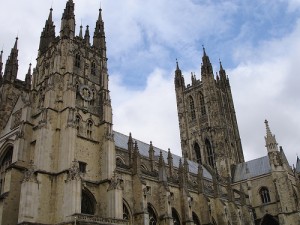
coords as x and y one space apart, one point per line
258 42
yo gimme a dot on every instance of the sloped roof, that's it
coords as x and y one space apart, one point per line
251 169
121 141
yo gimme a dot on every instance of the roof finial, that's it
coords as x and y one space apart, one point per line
204 53
269 133
16 43
177 66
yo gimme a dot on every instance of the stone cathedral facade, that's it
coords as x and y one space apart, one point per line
61 162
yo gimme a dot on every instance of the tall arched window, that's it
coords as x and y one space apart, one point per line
89 129
152 215
264 195
77 60
87 203
93 68
77 123
176 220
192 108
197 152
210 153
126 213
4 164
195 219
202 104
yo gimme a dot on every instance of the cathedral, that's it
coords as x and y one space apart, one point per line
62 163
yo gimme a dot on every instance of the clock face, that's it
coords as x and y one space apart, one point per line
86 92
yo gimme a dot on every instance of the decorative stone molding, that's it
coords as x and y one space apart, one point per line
115 182
29 175
74 172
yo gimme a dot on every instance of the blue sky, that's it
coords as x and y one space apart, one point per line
257 41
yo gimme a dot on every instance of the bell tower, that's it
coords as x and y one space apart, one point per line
72 142
208 126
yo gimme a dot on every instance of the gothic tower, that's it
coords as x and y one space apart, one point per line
207 121
71 150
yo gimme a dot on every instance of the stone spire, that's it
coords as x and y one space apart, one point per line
11 67
206 67
99 35
222 72
1 66
271 143
170 162
68 21
87 36
80 31
162 168
130 148
151 156
28 78
136 160
48 34
179 79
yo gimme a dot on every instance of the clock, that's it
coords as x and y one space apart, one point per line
86 92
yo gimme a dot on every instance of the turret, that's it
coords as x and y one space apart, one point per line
68 21
28 78
99 35
1 66
11 67
48 34
179 79
87 36
271 143
206 67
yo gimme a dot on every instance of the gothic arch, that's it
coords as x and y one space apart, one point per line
77 62
192 108
210 153
269 220
88 202
202 104
152 215
119 160
5 162
197 152
175 215
196 219
89 128
126 211
264 195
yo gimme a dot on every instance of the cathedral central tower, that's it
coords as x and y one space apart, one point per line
207 121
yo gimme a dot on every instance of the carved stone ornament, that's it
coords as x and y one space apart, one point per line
74 172
29 175
86 92
115 182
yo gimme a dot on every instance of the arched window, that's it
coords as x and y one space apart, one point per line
192 108
210 153
202 104
195 219
93 68
4 164
119 161
197 152
89 129
176 220
126 212
87 203
269 219
77 123
152 215
264 195
77 60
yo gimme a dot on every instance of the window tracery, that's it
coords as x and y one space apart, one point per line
5 163
210 153
176 220
152 216
265 195
77 60
192 108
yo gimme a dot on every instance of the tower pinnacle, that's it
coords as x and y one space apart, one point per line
68 21
11 67
270 139
48 34
206 68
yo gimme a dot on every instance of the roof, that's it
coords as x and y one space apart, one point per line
251 169
121 141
